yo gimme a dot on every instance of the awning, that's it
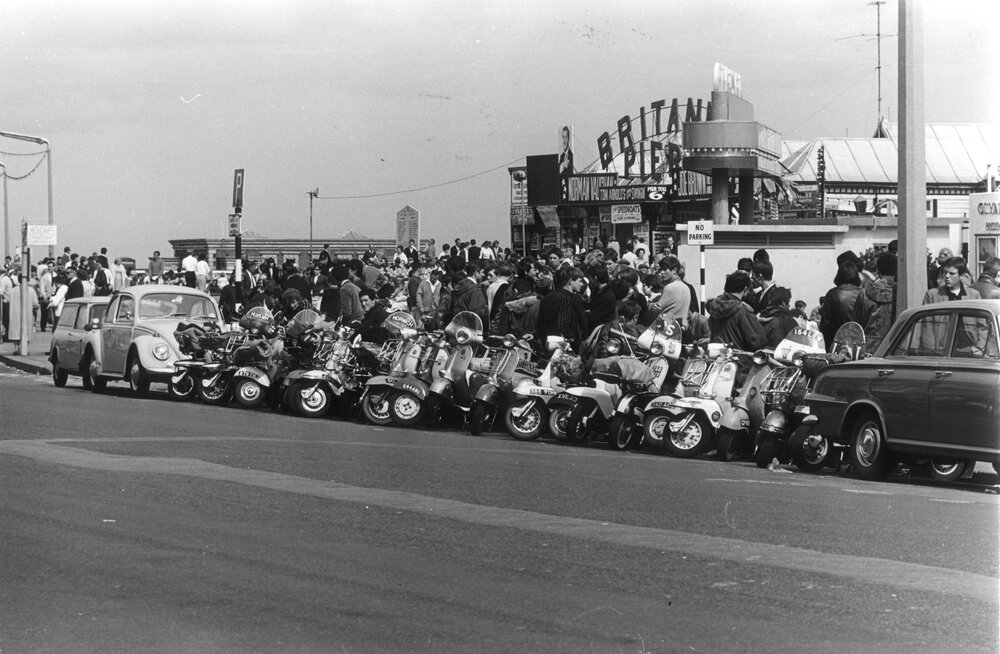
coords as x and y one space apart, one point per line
549 216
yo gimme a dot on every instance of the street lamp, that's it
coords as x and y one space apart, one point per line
48 156
312 195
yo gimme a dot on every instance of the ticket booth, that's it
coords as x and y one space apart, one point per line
984 230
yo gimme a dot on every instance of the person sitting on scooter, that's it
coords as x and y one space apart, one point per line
370 327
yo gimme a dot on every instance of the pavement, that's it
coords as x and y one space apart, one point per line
37 358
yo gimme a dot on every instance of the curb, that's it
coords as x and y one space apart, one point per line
26 366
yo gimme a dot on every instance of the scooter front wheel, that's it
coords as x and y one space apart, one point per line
375 407
691 440
730 446
656 428
557 422
182 390
580 423
809 454
621 432
480 418
524 421
310 402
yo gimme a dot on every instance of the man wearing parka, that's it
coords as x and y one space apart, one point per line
466 295
875 308
731 320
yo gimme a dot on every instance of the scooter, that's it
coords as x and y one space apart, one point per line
508 363
808 450
743 414
462 373
687 426
662 341
528 412
398 395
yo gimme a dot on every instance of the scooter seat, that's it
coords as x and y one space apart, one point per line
608 377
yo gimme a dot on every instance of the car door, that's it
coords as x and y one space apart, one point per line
964 389
69 337
116 334
902 379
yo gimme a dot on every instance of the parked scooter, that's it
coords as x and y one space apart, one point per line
216 384
743 414
508 363
463 371
808 450
528 413
662 342
398 395
264 366
687 426
201 344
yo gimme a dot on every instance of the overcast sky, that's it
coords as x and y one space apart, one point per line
149 107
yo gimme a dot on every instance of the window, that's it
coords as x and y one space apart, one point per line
98 310
69 315
926 336
124 312
975 338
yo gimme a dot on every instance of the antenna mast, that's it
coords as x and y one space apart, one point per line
878 38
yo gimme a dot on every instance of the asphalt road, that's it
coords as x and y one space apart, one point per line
149 526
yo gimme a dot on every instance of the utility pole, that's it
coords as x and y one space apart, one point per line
912 220
878 38
48 158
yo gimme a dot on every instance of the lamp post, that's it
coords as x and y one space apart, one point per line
48 158
312 195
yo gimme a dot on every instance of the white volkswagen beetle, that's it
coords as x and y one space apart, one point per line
134 342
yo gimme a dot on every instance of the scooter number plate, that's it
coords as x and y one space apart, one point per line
252 374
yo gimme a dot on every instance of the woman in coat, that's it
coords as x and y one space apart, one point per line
838 304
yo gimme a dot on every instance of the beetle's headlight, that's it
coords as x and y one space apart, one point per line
161 351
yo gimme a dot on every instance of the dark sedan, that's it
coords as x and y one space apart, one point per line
930 394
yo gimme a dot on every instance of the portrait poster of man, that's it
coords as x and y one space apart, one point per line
566 150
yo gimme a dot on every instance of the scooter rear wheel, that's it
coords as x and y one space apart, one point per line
249 393
405 408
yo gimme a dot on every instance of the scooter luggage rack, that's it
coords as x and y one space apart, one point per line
236 340
778 384
694 373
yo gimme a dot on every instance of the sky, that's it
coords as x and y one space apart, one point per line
149 107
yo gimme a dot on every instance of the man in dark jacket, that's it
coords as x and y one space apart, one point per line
467 295
988 281
561 312
730 320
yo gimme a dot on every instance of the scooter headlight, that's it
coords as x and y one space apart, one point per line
760 357
656 349
614 346
799 358
509 340
463 336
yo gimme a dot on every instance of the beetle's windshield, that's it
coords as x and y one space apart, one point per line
175 305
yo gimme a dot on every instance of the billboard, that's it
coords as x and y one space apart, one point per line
566 150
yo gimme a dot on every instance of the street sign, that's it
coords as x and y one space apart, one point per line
41 235
701 232
407 226
235 221
238 188
626 213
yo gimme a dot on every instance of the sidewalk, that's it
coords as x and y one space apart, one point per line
37 358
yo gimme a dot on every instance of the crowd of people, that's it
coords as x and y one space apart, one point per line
576 292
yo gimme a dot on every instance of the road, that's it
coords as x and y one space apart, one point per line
151 526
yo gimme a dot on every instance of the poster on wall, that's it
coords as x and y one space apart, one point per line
626 213
566 150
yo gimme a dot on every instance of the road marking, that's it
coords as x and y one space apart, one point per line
868 570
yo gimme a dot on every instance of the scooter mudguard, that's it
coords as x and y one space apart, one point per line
178 377
310 374
253 373
709 407
776 424
442 387
378 380
410 384
489 394
600 396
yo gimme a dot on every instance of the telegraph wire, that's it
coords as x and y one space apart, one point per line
414 190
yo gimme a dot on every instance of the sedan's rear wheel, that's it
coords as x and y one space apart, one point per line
947 469
59 376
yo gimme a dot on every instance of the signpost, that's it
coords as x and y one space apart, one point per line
701 233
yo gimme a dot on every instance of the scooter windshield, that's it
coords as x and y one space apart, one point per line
662 338
302 321
849 340
397 321
465 320
797 342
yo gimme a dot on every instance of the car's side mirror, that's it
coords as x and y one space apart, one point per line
95 323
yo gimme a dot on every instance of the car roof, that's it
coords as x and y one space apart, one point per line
146 289
94 299
993 306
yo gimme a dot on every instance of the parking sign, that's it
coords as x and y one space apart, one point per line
701 232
